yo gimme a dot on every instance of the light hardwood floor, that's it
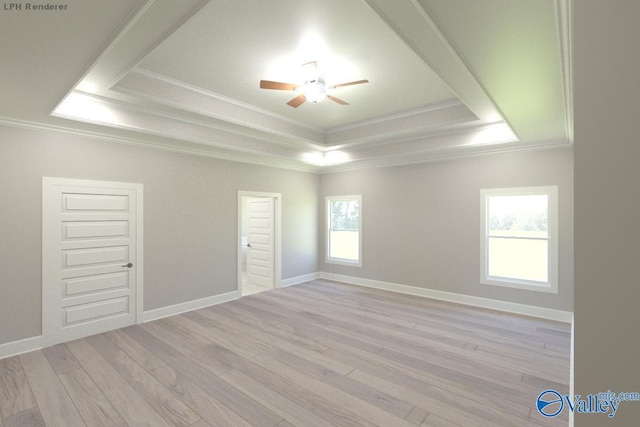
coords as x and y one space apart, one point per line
316 354
249 288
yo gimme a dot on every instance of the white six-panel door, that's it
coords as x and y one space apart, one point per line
91 257
260 253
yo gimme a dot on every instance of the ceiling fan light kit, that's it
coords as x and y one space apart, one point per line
314 89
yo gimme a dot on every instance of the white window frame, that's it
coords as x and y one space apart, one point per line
342 261
551 285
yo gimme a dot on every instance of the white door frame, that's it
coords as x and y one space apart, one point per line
48 183
277 205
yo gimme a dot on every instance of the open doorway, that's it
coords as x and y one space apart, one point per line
258 241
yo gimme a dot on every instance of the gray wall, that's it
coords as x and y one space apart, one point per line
190 223
607 177
421 223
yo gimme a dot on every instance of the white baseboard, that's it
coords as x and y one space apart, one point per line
21 346
299 279
572 371
172 310
35 343
511 307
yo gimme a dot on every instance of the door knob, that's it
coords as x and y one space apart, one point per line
128 265
248 245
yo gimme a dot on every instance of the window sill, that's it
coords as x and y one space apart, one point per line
343 262
521 284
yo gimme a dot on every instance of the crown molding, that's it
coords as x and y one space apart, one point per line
478 96
127 116
192 127
125 48
115 38
189 118
162 9
132 118
414 23
117 71
173 115
564 23
170 146
415 124
397 116
426 156
443 154
196 89
420 123
180 95
120 34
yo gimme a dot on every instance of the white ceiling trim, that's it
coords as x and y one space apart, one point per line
155 104
480 136
390 117
167 144
116 71
115 39
172 93
411 21
415 124
564 24
442 154
134 41
122 115
189 87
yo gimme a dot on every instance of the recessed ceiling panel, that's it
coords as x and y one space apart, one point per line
185 75
512 47
227 48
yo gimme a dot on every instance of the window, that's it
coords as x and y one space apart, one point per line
519 242
344 225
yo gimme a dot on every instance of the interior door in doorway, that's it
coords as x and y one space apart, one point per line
260 241
91 257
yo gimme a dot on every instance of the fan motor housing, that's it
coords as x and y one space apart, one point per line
315 90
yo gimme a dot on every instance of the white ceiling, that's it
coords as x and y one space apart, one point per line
227 50
446 77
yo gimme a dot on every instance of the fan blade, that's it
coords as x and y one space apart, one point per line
297 101
267 84
357 82
338 100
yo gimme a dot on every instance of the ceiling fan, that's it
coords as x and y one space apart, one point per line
314 89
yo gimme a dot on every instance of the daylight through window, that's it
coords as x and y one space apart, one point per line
344 230
519 242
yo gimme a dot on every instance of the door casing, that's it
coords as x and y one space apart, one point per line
277 199
50 186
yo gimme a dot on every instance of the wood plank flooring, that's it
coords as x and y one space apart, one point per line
317 354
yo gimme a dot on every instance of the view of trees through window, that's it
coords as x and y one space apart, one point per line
518 233
521 214
343 216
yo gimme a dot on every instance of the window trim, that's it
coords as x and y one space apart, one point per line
342 261
551 286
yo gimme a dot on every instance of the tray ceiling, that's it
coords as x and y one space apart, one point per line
446 78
